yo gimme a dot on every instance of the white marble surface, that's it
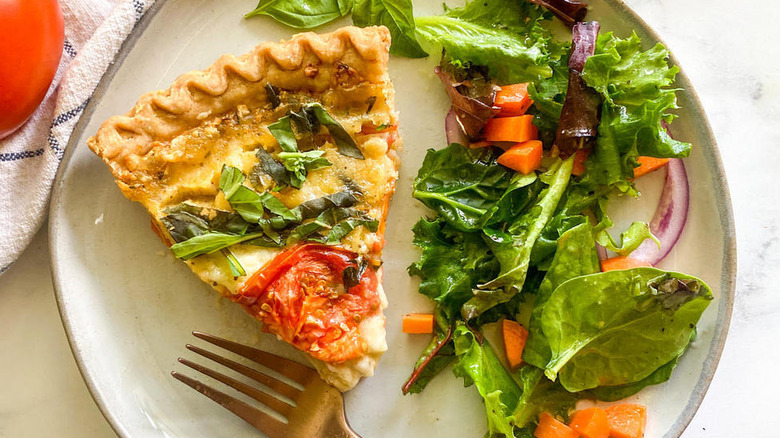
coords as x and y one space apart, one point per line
732 58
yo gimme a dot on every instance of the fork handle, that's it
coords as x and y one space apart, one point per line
339 428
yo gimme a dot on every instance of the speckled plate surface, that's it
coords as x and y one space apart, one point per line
128 306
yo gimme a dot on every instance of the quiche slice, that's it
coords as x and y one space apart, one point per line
270 175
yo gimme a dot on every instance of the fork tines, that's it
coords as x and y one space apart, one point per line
297 373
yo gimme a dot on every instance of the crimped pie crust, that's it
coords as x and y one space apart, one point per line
308 62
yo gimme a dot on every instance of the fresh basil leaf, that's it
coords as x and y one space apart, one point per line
314 207
275 206
272 94
235 266
230 180
272 167
208 243
248 203
283 133
341 229
302 14
513 247
478 365
396 15
185 221
324 221
575 256
301 163
306 126
344 142
617 327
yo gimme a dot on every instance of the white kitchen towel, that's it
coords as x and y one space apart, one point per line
94 33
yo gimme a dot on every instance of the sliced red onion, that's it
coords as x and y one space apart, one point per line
455 133
670 215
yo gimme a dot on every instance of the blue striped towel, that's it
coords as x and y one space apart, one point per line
94 32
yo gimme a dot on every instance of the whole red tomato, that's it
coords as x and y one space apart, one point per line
31 37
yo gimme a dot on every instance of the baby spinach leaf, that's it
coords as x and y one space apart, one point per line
513 247
478 365
540 394
575 256
396 15
302 14
617 327
619 392
344 142
462 184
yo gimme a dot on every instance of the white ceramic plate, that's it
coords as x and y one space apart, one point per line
129 306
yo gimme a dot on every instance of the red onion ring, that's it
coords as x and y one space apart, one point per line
601 252
454 130
670 215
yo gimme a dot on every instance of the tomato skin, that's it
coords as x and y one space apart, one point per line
32 33
300 297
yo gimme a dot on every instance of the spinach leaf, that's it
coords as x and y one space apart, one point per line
396 15
302 14
515 47
478 365
451 264
540 394
619 392
299 164
575 256
513 247
344 142
463 184
635 85
617 327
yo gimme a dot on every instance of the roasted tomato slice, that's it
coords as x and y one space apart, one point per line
300 296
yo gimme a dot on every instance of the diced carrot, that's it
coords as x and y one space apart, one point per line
579 162
515 336
514 129
626 420
414 323
549 427
590 423
621 262
513 100
649 164
523 157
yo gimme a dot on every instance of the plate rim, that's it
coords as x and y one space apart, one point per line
714 165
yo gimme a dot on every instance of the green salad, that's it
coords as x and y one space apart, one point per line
550 117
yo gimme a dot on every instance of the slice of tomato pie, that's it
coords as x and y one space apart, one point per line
270 175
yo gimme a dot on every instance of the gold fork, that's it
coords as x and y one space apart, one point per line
312 409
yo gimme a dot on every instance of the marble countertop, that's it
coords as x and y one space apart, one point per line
732 59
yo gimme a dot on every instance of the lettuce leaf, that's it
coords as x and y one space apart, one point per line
636 86
515 49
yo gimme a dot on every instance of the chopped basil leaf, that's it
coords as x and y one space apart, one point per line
314 207
230 180
351 275
185 221
273 168
283 133
344 142
299 164
235 266
208 243
272 94
275 206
